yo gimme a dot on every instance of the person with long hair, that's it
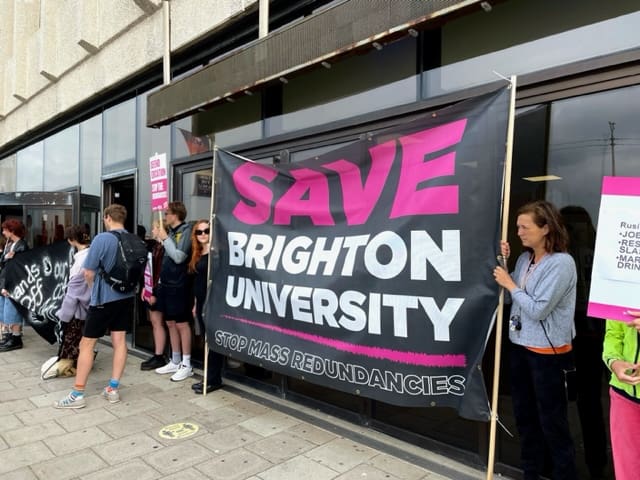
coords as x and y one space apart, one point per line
156 252
75 305
541 328
199 267
10 318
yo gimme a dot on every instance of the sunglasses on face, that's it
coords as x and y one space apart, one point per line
203 232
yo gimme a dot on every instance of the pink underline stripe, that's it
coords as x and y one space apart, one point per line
411 358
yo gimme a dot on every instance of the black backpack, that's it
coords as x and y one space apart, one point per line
131 259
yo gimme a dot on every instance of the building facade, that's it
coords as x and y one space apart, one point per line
83 106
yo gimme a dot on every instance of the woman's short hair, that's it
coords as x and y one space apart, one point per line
15 226
77 233
545 213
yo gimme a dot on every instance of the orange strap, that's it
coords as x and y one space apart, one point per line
550 351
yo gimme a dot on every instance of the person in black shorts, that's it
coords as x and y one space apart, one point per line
173 297
108 311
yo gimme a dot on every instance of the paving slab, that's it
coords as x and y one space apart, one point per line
240 433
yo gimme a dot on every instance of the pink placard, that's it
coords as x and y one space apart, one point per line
159 182
615 279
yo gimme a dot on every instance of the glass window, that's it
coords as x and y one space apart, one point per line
590 137
574 31
228 124
151 142
353 86
119 137
185 143
562 151
196 188
91 155
233 123
8 174
61 159
30 167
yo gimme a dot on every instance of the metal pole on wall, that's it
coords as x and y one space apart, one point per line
166 57
503 236
263 20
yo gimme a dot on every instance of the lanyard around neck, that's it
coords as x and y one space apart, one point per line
527 273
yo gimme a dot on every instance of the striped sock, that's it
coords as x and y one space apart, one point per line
77 391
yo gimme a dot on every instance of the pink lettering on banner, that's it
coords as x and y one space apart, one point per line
396 356
258 210
358 198
308 196
410 200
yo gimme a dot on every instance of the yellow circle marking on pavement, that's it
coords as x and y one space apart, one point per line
178 430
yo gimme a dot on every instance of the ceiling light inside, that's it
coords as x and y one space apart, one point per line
542 178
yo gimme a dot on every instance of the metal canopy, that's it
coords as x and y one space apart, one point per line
327 34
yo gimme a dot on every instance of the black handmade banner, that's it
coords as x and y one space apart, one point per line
36 281
367 269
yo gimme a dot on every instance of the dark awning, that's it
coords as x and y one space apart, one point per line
323 36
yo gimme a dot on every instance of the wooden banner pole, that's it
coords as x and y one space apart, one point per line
211 250
499 317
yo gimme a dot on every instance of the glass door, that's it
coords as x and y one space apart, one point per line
46 225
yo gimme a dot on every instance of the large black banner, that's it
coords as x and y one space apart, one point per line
36 281
367 269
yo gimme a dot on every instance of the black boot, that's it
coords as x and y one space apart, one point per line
154 362
13 343
4 337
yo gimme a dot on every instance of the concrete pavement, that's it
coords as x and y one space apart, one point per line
162 430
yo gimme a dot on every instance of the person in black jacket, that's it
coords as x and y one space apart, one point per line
10 318
199 266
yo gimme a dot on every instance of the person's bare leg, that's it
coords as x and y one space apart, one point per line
159 333
174 336
85 360
118 340
185 337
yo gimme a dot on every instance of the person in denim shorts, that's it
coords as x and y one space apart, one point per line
13 231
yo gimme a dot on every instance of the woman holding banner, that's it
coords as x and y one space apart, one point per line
199 266
621 356
543 295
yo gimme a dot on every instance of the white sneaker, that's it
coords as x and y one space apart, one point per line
168 368
183 373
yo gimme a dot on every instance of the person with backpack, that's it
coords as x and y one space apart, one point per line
109 309
173 291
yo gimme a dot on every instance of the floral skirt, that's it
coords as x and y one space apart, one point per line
71 335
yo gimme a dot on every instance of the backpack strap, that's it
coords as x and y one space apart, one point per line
103 272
